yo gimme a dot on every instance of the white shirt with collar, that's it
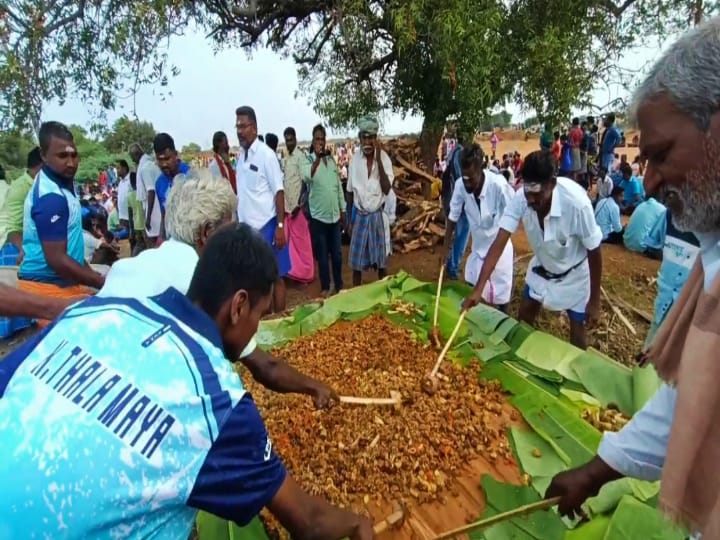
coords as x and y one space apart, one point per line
569 231
366 190
123 190
259 179
484 213
604 187
147 274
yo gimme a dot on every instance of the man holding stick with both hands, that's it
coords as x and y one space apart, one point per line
564 274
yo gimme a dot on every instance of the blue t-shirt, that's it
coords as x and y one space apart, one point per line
633 191
610 140
607 216
52 213
164 183
122 419
680 249
643 220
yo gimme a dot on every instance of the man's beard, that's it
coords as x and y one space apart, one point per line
695 204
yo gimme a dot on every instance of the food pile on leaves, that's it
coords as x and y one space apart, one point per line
354 455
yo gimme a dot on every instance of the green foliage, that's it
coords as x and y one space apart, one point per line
502 119
14 148
191 149
96 51
126 131
94 157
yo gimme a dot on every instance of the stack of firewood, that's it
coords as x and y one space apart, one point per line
419 220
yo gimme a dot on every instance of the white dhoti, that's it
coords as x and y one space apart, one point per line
155 219
571 292
498 289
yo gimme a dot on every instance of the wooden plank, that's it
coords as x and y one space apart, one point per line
413 169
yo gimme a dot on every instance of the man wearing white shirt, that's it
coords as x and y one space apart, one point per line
564 274
483 195
147 175
123 191
370 178
195 209
261 195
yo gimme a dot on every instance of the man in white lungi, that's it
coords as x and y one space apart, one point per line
564 274
483 195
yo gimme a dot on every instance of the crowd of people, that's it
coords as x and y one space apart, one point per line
128 391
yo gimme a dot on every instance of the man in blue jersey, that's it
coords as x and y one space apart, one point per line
170 166
54 262
123 417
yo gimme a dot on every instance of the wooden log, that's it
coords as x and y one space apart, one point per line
413 169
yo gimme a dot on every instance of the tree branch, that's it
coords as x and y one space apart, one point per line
79 13
618 10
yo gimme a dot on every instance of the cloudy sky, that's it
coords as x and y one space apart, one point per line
210 86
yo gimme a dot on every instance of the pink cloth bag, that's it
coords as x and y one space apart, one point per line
302 264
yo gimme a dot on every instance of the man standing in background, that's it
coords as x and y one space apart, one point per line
220 166
170 166
302 266
575 139
610 139
462 226
261 195
123 193
11 214
147 174
370 178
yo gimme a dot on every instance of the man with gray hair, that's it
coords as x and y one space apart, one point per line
677 109
196 207
370 178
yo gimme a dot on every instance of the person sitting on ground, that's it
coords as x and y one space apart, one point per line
633 190
195 209
644 219
605 185
54 262
607 216
201 446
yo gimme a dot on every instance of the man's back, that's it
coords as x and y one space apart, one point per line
130 409
641 223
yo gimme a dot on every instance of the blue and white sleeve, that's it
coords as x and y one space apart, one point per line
638 450
51 215
241 473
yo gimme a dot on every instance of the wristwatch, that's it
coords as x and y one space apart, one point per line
281 225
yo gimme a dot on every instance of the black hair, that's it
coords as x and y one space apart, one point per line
539 166
163 142
87 221
247 111
218 137
617 190
575 121
51 129
272 141
470 155
123 163
591 119
556 135
506 174
626 168
33 158
262 139
610 117
594 128
236 257
289 131
319 127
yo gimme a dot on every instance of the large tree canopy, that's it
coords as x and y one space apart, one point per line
97 51
126 131
435 58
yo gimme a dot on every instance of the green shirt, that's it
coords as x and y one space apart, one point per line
326 198
11 212
113 220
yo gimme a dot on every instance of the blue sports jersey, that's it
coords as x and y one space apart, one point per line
52 213
164 184
121 419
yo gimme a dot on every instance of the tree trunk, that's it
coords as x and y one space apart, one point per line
432 130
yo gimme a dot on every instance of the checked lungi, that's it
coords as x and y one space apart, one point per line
367 244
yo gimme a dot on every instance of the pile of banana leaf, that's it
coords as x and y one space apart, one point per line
550 382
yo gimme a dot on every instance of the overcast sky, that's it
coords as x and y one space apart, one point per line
211 86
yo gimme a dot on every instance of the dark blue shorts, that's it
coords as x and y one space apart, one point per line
576 316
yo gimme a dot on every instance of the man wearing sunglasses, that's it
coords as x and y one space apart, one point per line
483 196
54 263
564 274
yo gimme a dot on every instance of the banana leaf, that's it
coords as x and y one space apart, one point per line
518 335
633 520
574 440
595 529
515 380
549 353
645 383
487 319
276 332
582 399
502 331
532 369
535 455
612 493
500 498
210 527
606 380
